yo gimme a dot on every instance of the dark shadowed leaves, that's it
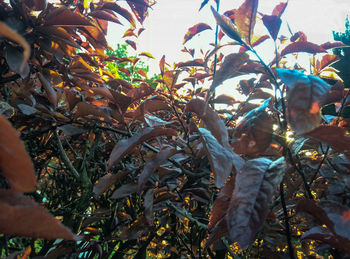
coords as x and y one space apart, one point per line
123 12
64 17
255 185
125 146
302 46
254 132
336 137
273 24
104 15
50 91
154 162
154 121
227 26
245 19
221 203
221 158
15 164
124 191
306 94
21 216
16 61
229 67
105 182
148 204
194 30
211 119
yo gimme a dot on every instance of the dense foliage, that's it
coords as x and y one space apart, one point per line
110 164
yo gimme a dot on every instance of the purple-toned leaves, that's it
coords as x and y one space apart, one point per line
222 159
194 30
229 68
64 17
279 9
124 191
336 137
302 46
273 24
148 198
227 26
104 15
15 164
21 216
123 147
331 45
131 44
245 19
105 182
255 185
123 12
154 162
306 94
254 132
17 61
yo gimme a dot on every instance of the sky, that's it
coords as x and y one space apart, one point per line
169 21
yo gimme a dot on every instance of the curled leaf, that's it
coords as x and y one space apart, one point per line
194 30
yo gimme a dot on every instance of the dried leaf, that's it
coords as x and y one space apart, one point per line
306 94
255 185
123 147
152 164
194 30
21 216
15 164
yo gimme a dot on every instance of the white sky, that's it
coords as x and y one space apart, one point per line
169 20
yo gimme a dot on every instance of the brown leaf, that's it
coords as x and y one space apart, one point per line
7 32
50 91
123 147
151 104
279 9
221 203
302 46
254 131
229 67
194 30
306 94
152 164
245 19
227 26
15 164
123 12
137 93
21 216
64 17
211 119
104 15
255 185
162 65
124 191
221 159
105 182
336 137
84 109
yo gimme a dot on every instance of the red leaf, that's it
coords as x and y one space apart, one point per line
305 95
152 164
105 182
194 30
104 15
65 17
15 164
245 19
229 67
123 147
221 203
123 12
21 216
131 43
335 44
336 137
254 131
129 33
255 185
279 9
227 26
302 46
273 25
221 159
211 119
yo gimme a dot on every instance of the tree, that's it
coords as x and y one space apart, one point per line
344 54
118 169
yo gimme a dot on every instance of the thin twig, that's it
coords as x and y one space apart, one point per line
65 158
286 221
